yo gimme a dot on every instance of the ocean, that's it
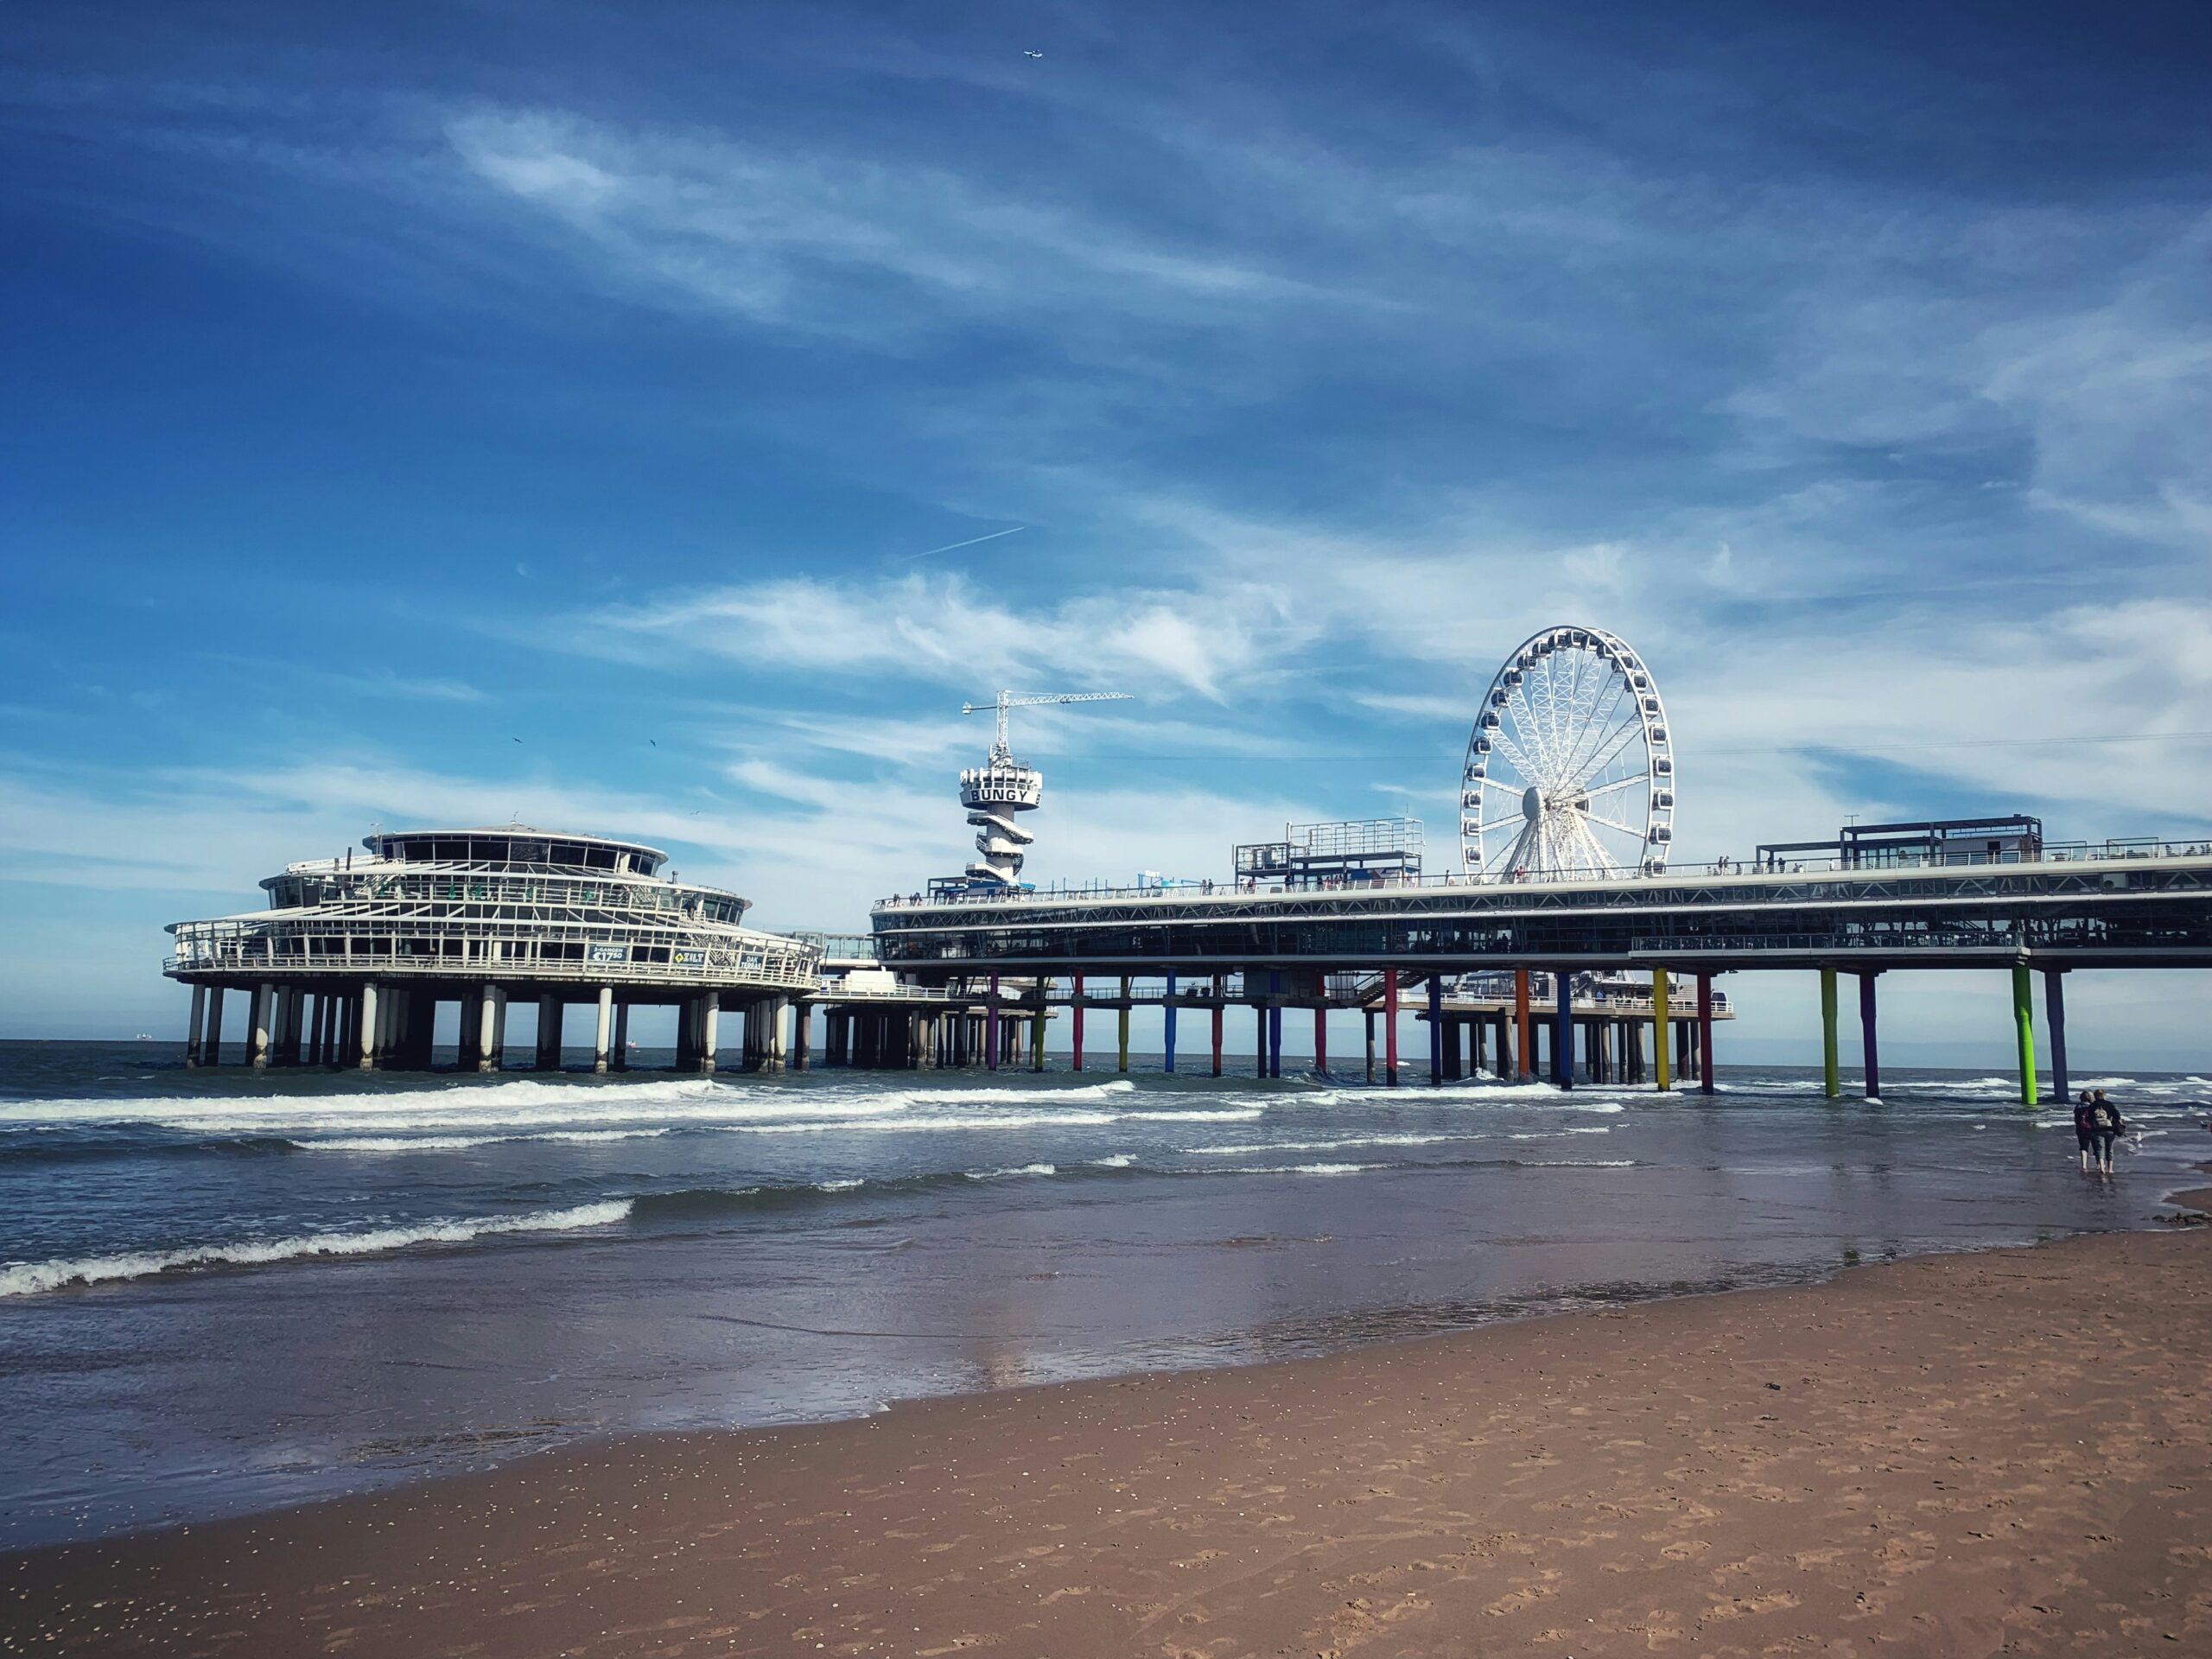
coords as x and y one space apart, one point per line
222 1292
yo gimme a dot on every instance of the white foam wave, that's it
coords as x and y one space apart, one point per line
1002 1174
1119 1160
1305 1169
1232 1115
925 1125
28 1278
463 1142
1329 1146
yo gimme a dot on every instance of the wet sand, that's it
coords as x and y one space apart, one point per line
1969 1454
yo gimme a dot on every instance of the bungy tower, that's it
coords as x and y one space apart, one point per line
1004 786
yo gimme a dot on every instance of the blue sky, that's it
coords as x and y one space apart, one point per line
389 384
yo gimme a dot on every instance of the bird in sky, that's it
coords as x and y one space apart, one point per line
1027 52
654 741
515 739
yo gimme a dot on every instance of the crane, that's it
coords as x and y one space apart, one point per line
1001 752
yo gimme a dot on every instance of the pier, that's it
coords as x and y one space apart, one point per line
2023 909
349 963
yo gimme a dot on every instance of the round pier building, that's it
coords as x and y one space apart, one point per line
347 964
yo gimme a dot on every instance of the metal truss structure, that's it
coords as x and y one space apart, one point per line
1569 769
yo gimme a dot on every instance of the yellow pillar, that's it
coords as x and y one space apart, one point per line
1663 1045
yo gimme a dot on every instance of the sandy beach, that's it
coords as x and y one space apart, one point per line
2009 1451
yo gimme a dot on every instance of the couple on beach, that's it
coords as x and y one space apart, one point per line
2097 1124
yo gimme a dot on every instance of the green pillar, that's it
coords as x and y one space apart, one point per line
2024 1017
1831 1085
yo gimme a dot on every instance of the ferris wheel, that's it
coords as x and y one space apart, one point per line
1569 771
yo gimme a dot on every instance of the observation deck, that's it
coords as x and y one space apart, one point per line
481 915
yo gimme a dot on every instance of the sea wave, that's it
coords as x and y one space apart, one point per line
28 1278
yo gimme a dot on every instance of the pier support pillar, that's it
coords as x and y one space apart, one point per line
1705 1032
1390 1026
1451 1035
778 1055
1167 1023
1370 1016
486 1002
621 1060
1122 1025
1869 1046
2023 1025
1074 1025
2054 1007
1435 1031
1523 1068
1218 1014
603 1032
1563 1028
1831 1081
193 1024
1037 1037
1321 1040
549 1033
1661 1030
210 1045
257 1029
367 1022
802 1036
991 1030
1274 1026
710 1015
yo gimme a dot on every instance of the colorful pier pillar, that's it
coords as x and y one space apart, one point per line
1435 1031
1124 1063
1830 1083
2023 1026
1705 1034
1168 1032
1390 1026
1218 1012
1523 1071
1563 1028
1075 1021
1869 1043
1662 1030
2054 1004
1321 1039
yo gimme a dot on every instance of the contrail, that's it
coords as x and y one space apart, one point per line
971 541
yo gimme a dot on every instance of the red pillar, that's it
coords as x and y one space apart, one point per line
1390 1026
1321 1040
1216 1033
1521 1071
1705 1032
1075 1022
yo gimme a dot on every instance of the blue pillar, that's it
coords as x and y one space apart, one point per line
2054 996
1435 1030
1563 1030
1871 1060
1171 1022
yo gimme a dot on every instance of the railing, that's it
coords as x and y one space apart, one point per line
1702 944
404 947
2053 853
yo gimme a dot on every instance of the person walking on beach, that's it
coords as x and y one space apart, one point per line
2085 1130
2109 1126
